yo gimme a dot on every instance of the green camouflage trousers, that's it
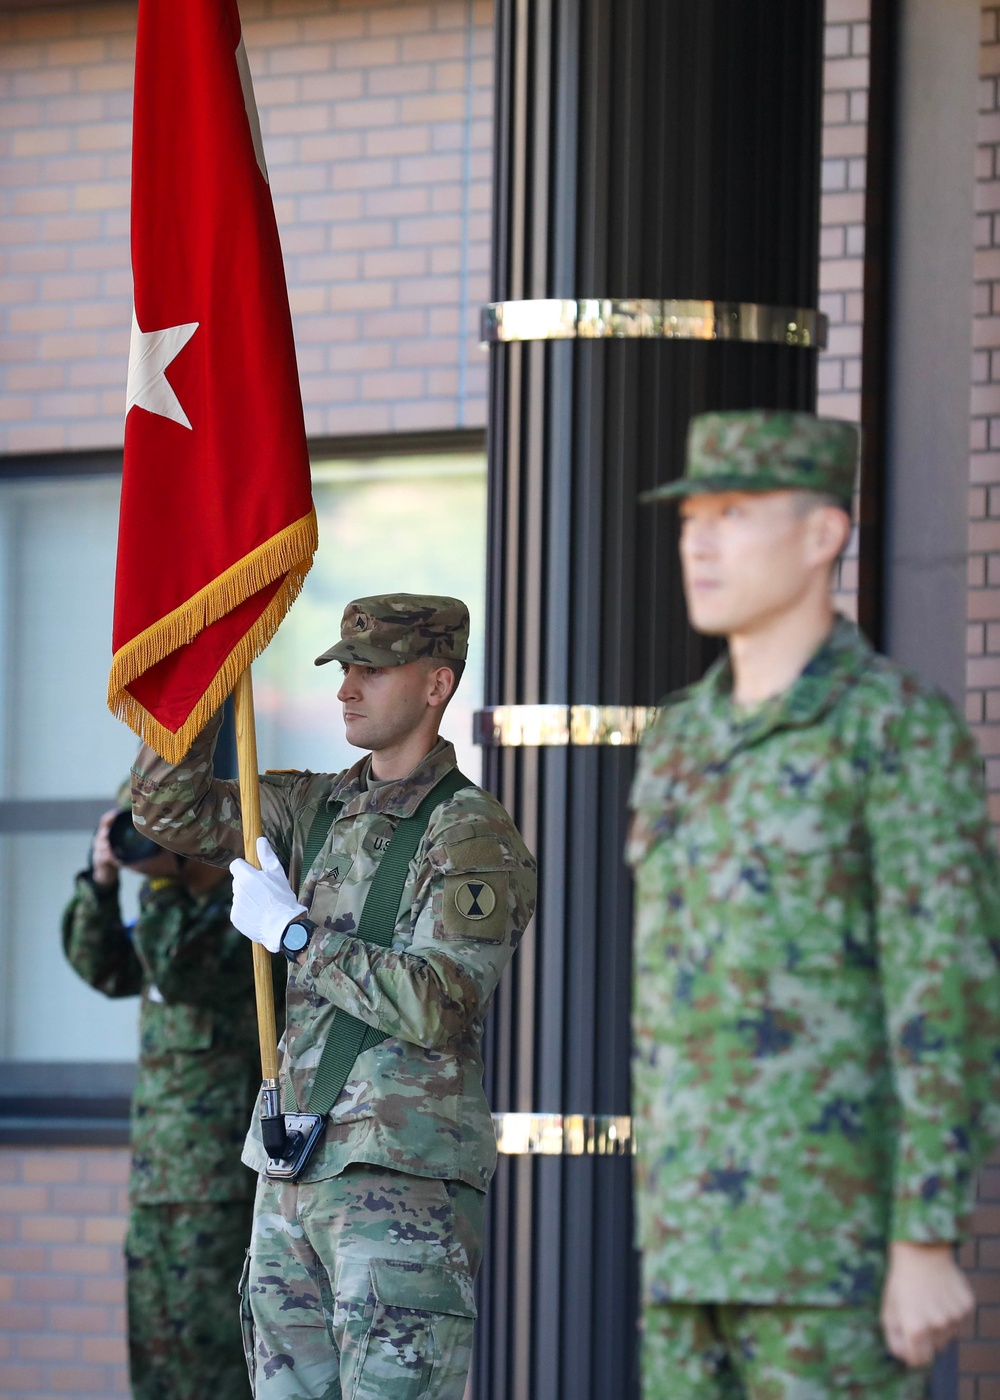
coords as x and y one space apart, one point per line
360 1287
183 1264
728 1351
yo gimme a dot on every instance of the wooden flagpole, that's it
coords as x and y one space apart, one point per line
246 756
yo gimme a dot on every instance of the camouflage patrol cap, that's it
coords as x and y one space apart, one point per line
766 451
400 627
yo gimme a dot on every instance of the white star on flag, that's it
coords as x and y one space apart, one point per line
150 352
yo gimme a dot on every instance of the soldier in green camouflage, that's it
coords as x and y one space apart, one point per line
359 1281
817 1001
190 1198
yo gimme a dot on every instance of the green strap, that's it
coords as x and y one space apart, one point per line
318 832
349 1036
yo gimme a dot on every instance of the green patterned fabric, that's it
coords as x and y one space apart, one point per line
348 1036
816 1005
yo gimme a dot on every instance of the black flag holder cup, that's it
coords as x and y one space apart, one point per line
289 1138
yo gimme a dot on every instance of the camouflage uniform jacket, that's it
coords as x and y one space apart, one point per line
816 1012
414 1102
199 1060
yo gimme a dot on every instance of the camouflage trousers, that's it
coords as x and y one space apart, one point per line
183 1265
360 1287
728 1351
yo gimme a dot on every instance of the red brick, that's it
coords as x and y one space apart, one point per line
416 416
390 82
20 1317
15 1379
433 47
397 141
81 1318
22 1259
47 1347
81 1259
451 77
986 1287
47 1288
411 200
105 1290
49 1229
23 1198
105 77
353 54
980 1358
433 107
400 19
84 1381
107 1351
428 291
111 1230
299 118
362 296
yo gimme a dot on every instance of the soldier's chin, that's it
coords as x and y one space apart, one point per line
358 734
710 622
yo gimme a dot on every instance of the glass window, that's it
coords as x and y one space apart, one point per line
405 523
392 525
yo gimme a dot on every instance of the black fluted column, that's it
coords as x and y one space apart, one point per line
644 149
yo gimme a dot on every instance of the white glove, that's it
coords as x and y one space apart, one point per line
263 902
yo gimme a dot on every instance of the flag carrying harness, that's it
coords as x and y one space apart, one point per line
349 1037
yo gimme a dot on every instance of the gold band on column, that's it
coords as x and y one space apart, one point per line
564 1134
540 726
610 318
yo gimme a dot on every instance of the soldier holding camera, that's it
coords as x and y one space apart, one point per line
190 1198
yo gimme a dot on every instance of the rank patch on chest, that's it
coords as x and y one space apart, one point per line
475 906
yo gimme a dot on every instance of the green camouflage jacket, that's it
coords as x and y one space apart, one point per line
414 1102
199 1059
816 1008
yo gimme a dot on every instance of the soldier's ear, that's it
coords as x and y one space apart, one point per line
442 685
828 531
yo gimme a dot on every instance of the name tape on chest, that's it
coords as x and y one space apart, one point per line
475 906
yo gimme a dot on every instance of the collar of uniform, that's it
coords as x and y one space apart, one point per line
834 666
399 799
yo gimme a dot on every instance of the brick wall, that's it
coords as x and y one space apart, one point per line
377 127
980 1349
842 231
62 1290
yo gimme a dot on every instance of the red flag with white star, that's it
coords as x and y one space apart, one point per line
217 527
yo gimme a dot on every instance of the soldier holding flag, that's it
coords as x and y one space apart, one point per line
360 1273
397 890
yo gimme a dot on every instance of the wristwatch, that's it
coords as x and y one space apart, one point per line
295 937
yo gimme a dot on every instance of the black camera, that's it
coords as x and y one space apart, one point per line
128 845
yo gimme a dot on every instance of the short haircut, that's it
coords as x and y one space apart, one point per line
805 501
432 663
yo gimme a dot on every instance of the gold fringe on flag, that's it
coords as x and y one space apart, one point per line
290 553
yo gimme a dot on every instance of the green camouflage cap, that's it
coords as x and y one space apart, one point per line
400 627
766 451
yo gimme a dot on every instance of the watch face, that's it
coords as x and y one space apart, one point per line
295 938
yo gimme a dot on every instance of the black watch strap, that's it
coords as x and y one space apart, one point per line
292 951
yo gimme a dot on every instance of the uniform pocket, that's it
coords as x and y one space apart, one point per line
247 1329
418 1334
